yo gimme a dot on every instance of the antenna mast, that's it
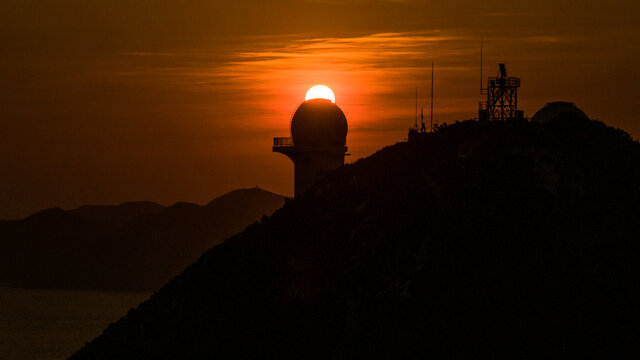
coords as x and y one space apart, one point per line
481 78
431 118
416 120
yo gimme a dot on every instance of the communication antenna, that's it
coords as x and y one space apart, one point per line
422 127
415 125
431 118
481 78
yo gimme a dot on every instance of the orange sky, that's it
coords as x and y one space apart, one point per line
113 101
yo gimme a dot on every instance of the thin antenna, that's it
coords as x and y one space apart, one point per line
431 125
416 121
481 79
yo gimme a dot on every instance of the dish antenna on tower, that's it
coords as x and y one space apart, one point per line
501 95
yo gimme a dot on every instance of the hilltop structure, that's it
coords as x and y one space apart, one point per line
317 142
415 132
501 102
502 98
559 110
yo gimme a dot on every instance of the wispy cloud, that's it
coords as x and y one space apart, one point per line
344 2
374 69
262 79
514 14
374 76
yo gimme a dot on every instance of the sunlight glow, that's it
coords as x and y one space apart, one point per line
320 92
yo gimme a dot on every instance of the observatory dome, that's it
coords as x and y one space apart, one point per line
319 121
559 110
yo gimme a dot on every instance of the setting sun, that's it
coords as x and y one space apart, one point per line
320 92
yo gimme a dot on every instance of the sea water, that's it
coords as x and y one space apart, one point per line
53 324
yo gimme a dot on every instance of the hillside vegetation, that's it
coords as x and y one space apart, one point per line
494 239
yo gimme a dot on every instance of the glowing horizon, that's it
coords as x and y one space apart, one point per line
180 102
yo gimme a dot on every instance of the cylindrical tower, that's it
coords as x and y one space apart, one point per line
317 142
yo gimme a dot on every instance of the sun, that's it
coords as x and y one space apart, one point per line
320 92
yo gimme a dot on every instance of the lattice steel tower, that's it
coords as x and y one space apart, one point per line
502 98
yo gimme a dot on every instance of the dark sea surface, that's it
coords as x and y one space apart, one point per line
52 324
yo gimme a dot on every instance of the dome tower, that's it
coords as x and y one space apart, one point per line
317 142
559 110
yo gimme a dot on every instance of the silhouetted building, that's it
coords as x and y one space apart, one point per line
502 98
317 142
559 110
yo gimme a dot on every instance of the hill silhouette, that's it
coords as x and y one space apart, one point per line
498 239
133 246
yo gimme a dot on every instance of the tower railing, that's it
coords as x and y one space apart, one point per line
282 141
507 81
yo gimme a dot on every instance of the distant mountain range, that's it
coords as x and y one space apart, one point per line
482 240
133 246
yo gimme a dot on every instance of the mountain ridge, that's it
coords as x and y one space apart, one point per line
131 246
501 239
